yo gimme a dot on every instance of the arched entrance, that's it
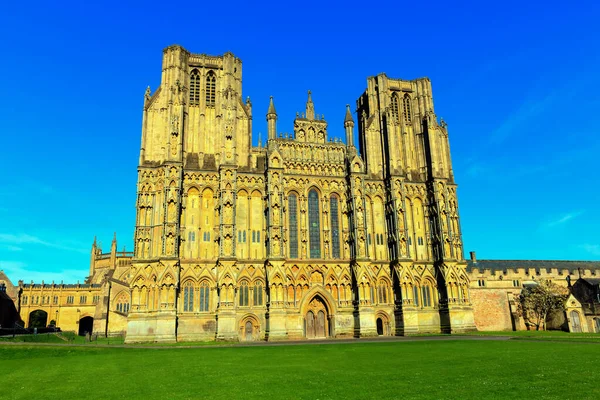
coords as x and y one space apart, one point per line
316 319
575 323
382 323
86 325
379 327
38 319
249 329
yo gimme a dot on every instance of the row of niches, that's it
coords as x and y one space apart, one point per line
320 153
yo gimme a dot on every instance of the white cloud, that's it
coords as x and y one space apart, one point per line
564 219
17 270
9 239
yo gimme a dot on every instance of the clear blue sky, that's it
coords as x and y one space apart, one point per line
517 83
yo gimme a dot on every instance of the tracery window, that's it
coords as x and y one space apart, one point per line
195 88
406 107
204 296
416 295
188 296
70 299
122 303
258 294
335 227
314 226
395 107
24 300
426 295
382 292
293 225
211 89
243 294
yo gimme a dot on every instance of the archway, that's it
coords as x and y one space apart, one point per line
86 325
316 319
38 319
249 329
575 323
379 327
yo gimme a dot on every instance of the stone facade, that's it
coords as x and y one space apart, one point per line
305 237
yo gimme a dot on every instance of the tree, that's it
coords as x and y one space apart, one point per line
536 302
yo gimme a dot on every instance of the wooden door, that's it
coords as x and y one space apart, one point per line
310 325
320 325
249 331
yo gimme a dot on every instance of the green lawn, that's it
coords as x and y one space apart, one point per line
458 369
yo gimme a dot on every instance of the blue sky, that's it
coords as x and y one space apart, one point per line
517 83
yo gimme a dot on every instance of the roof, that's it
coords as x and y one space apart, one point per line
500 265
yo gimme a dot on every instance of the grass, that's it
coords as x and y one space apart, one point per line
541 335
61 338
459 369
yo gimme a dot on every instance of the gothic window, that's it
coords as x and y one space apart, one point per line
406 108
70 299
211 88
82 299
395 109
194 88
416 296
258 294
293 225
382 291
335 227
244 294
188 296
191 236
204 296
95 299
314 227
24 300
123 303
426 296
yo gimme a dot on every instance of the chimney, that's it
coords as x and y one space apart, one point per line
473 257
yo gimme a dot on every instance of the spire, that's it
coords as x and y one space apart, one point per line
95 244
310 108
271 107
349 127
271 120
348 115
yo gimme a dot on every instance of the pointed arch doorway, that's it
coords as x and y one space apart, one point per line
316 319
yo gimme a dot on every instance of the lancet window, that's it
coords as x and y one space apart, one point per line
258 294
314 224
406 107
211 89
243 294
293 224
188 296
195 88
395 108
335 227
204 296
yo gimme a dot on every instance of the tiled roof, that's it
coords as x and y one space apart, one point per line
498 265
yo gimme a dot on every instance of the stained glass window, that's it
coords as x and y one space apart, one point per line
314 228
293 227
335 227
194 89
188 297
204 296
211 87
258 294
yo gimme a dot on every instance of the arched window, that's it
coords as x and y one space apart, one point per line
395 108
243 294
122 303
24 300
258 294
188 296
335 227
293 224
416 295
194 88
204 296
211 89
426 295
406 107
382 291
314 226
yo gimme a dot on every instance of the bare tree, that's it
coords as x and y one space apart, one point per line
536 302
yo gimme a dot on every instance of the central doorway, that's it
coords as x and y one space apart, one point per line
316 321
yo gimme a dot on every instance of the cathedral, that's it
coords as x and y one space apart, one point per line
303 237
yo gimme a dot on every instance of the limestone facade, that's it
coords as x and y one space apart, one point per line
304 237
